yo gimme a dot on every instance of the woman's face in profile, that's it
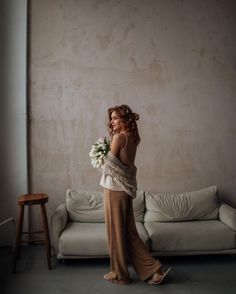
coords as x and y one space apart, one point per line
116 122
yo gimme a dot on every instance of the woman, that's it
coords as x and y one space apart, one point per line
119 182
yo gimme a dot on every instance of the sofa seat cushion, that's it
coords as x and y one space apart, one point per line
88 206
89 238
187 206
190 236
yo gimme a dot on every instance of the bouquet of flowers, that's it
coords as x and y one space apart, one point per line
99 151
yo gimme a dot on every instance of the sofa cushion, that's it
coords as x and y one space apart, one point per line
143 234
83 239
139 206
227 215
90 238
190 236
88 206
195 205
85 206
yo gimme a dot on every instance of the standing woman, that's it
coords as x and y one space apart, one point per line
119 182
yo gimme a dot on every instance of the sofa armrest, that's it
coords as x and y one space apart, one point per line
58 222
227 215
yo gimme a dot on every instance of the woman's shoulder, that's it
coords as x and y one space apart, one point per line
120 136
120 139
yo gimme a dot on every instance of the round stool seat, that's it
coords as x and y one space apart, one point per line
31 199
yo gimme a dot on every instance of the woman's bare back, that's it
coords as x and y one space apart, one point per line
128 152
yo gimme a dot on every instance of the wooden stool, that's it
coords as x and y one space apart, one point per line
32 199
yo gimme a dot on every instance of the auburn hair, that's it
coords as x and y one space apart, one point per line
128 119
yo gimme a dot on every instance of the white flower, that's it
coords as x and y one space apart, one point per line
98 152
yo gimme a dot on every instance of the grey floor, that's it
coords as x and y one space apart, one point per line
195 274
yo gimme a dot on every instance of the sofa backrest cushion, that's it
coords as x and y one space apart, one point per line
139 206
88 206
195 205
85 206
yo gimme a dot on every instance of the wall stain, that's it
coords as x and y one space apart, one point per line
104 40
128 29
202 52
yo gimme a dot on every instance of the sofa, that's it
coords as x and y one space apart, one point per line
188 223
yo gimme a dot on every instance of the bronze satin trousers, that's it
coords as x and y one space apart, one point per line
125 245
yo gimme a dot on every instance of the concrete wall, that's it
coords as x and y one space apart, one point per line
173 62
13 155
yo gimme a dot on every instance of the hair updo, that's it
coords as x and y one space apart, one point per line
128 119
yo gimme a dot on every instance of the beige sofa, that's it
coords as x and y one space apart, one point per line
169 224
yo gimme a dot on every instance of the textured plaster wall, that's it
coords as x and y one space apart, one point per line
173 62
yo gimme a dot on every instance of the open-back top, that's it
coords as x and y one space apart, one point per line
118 176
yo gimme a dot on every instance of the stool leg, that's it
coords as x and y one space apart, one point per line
18 237
47 237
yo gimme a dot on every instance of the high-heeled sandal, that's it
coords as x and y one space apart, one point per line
159 280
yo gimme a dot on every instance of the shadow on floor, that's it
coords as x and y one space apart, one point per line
189 274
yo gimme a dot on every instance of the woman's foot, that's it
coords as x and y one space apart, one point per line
158 277
109 278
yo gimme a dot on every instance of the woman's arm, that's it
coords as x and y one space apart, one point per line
118 142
